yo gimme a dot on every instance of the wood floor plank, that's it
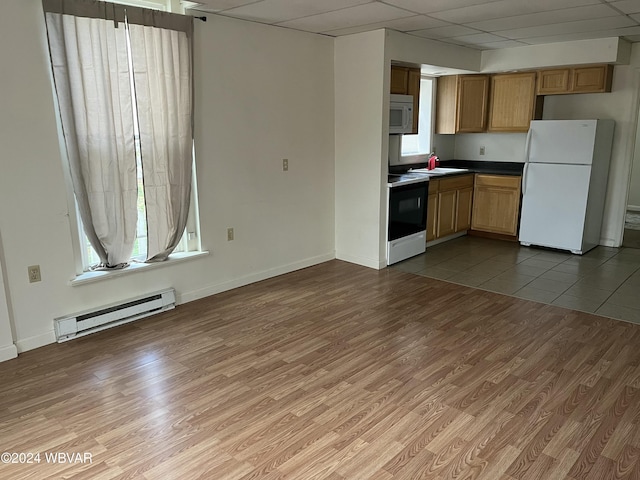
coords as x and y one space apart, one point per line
335 372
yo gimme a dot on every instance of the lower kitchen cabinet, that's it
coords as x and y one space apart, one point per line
465 201
432 210
496 204
449 206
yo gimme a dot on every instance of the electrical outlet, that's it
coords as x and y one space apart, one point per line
482 150
229 234
34 273
285 164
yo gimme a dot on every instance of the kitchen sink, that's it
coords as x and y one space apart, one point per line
439 170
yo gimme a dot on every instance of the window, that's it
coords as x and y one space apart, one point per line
123 83
420 145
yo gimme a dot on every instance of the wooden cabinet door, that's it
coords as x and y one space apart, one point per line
446 213
594 79
473 92
432 213
463 213
496 204
552 82
399 80
512 102
413 88
446 100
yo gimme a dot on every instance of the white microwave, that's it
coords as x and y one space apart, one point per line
401 114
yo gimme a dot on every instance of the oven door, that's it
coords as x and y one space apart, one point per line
407 210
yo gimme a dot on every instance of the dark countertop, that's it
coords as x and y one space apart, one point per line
406 179
469 166
482 166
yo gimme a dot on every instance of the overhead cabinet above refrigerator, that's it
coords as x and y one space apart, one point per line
564 183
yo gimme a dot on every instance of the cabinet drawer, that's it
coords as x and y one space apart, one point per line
503 181
434 186
457 182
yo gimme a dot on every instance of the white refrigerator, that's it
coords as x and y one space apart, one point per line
564 183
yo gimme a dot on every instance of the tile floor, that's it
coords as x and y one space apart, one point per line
605 280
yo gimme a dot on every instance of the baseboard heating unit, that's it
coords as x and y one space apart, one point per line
108 316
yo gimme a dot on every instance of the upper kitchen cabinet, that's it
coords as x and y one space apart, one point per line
588 79
406 81
461 103
513 102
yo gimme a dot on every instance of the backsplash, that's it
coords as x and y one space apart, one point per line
498 147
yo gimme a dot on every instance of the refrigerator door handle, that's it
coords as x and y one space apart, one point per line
527 149
527 146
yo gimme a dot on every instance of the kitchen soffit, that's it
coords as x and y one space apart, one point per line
479 24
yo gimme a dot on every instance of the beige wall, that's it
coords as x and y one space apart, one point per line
360 148
7 348
262 94
633 201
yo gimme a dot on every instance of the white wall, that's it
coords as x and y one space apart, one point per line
360 78
422 51
262 94
601 50
633 201
8 349
498 147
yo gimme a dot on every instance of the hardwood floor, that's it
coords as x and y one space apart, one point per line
335 372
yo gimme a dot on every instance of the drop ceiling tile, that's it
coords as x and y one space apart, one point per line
219 5
502 44
567 28
627 6
544 18
348 17
422 6
617 32
477 39
276 11
505 8
446 32
415 22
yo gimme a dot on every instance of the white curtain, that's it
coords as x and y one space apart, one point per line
91 74
163 85
99 105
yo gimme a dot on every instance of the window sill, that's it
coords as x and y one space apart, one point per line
90 277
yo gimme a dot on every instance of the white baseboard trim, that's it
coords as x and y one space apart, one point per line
8 352
633 208
609 242
252 278
365 262
37 341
